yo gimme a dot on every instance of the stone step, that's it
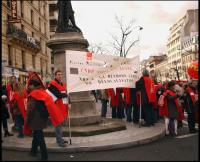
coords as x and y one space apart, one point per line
107 126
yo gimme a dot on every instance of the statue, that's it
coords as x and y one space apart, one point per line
66 20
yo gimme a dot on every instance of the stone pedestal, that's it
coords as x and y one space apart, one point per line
83 110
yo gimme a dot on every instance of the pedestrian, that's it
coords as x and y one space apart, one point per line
134 105
127 104
146 88
57 89
95 95
5 116
189 102
40 106
103 96
172 109
18 110
114 95
9 89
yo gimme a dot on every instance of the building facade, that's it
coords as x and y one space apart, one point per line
53 19
181 31
24 43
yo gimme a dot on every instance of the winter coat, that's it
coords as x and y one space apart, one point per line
37 114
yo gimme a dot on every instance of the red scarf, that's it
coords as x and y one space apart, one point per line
150 89
63 107
55 114
114 97
127 95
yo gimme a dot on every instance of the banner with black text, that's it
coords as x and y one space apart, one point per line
87 71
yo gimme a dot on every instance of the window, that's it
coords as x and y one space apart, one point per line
8 3
41 70
39 6
46 67
33 61
44 6
23 60
22 8
22 27
45 28
32 21
10 60
8 18
33 34
39 24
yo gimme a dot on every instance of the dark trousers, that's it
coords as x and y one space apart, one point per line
191 121
128 113
5 124
120 112
135 113
19 120
114 112
149 114
38 140
104 108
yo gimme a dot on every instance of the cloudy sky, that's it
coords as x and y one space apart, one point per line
97 20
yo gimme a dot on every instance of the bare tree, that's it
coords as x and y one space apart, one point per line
97 49
123 44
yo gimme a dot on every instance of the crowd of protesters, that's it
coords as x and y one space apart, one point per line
31 106
168 100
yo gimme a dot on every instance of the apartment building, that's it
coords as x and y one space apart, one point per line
24 43
182 30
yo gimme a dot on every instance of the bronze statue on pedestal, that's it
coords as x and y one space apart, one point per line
66 20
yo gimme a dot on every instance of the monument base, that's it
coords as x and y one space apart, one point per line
107 126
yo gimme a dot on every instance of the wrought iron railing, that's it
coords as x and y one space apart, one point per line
21 35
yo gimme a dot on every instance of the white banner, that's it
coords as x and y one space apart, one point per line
87 71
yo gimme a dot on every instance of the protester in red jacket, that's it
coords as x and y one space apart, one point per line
146 87
127 104
116 102
171 108
57 89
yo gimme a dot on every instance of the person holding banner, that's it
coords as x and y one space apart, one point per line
58 91
147 89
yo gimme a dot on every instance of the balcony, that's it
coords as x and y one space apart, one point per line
18 36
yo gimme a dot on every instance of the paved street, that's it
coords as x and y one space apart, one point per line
183 147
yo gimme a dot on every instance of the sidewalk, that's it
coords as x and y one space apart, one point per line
133 136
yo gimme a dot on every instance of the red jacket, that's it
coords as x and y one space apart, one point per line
150 89
55 114
114 97
127 95
164 110
59 102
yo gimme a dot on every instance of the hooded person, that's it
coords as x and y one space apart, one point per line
40 107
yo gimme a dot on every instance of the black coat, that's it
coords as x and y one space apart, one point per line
172 109
140 86
4 112
189 106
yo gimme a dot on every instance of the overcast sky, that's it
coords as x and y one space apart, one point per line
97 19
